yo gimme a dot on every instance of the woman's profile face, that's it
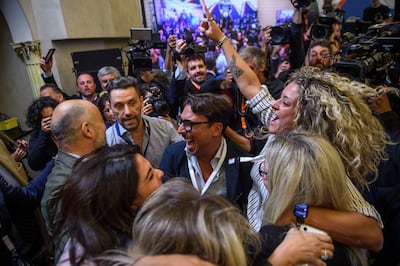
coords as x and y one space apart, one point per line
285 110
108 114
149 180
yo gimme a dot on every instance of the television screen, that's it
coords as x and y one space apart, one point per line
284 16
174 16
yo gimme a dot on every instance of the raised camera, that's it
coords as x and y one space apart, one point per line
280 34
192 48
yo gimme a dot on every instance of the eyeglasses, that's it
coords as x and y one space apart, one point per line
261 170
188 125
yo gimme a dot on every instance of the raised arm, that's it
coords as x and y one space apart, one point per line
246 79
170 49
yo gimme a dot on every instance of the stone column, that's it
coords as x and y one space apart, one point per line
29 53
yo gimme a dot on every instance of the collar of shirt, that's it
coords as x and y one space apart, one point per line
123 131
214 160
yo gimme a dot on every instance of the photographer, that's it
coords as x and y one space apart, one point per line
377 13
154 103
291 34
319 54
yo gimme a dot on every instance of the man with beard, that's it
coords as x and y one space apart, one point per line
78 128
152 134
194 80
197 73
205 157
320 54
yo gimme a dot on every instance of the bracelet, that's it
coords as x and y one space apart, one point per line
222 41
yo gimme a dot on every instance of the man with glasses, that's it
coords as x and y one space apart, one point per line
205 157
152 134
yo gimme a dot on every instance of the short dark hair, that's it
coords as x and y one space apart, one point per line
122 83
213 106
195 57
52 86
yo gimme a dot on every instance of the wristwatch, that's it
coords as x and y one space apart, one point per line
301 212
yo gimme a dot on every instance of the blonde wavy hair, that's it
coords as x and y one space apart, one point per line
177 219
308 169
336 107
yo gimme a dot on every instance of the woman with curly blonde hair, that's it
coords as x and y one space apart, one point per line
329 105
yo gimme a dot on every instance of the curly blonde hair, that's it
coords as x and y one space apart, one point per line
335 107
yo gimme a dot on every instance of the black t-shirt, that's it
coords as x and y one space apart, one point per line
376 14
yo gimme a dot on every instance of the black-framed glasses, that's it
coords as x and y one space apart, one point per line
188 124
261 170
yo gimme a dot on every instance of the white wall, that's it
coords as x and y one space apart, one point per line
267 10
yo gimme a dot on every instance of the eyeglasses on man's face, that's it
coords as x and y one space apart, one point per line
188 124
261 170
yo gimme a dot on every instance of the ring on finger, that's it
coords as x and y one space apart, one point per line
324 255
210 19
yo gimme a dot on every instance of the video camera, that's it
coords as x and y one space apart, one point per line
372 55
142 40
191 47
323 28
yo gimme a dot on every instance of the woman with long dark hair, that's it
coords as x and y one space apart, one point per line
41 145
99 202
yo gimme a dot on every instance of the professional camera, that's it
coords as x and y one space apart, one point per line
323 28
191 47
142 40
160 106
280 34
373 55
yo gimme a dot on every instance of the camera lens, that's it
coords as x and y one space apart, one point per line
280 34
320 31
150 100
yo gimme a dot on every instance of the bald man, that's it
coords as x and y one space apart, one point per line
78 127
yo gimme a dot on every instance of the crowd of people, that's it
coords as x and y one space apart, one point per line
254 156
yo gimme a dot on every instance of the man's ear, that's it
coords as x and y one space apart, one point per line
87 130
60 98
217 128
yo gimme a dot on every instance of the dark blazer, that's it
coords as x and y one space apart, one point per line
238 181
41 150
19 218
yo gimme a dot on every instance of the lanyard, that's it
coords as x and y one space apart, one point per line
129 141
193 176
